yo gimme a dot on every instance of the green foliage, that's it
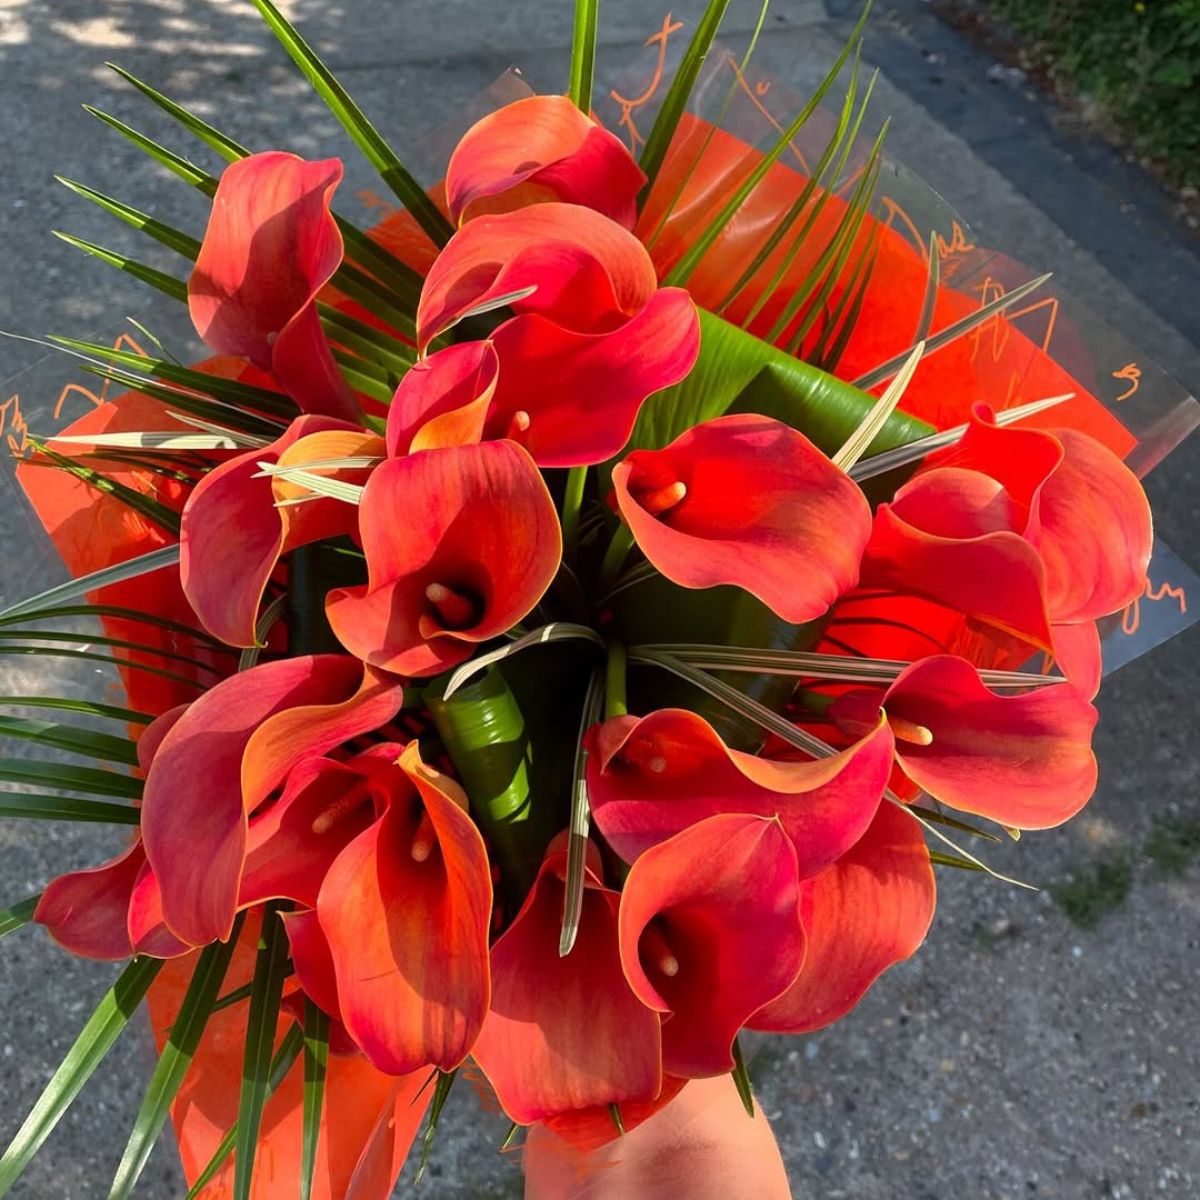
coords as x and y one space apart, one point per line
1138 59
1095 891
1175 843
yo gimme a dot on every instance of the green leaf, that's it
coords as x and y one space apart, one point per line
285 1057
69 704
173 1063
583 54
16 915
556 631
109 660
97 639
95 782
577 843
174 163
739 372
73 738
441 1091
125 614
741 1079
316 1064
654 152
169 285
377 152
93 1043
173 239
270 969
682 270
21 806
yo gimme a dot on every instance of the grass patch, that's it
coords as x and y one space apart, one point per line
1174 843
1136 61
1095 891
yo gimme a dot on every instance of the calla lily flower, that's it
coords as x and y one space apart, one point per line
444 399
225 756
1023 760
566 1034
406 909
710 932
651 777
478 546
869 910
749 501
588 1129
541 148
271 245
1026 530
588 307
237 523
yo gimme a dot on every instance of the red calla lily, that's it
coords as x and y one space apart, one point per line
588 308
588 1129
869 910
565 1034
1027 530
479 545
270 246
313 960
233 535
541 148
406 909
710 932
650 777
1024 760
749 501
225 756
443 400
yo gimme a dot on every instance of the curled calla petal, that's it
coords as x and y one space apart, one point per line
571 398
406 908
86 912
587 273
710 932
1024 760
148 931
650 777
232 535
541 148
1094 532
443 400
566 1033
313 960
270 246
870 909
588 1129
749 501
1078 655
194 808
478 546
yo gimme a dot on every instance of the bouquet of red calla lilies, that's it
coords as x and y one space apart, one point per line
539 651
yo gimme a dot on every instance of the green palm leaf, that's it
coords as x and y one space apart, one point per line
583 54
23 806
73 738
90 780
316 1063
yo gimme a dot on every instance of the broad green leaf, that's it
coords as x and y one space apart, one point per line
285 1057
71 737
378 153
173 1063
70 704
269 973
662 132
682 270
167 236
70 778
22 806
583 54
441 1092
16 915
93 1043
316 1064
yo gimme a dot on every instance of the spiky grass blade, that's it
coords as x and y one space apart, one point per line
166 235
173 1063
169 285
932 281
741 1078
352 119
70 704
16 915
556 631
93 782
72 738
269 973
859 442
65 808
60 612
662 132
94 1042
316 1064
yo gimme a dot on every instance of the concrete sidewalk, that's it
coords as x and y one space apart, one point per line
1024 1052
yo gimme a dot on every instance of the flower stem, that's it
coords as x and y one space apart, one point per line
614 681
572 504
614 557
